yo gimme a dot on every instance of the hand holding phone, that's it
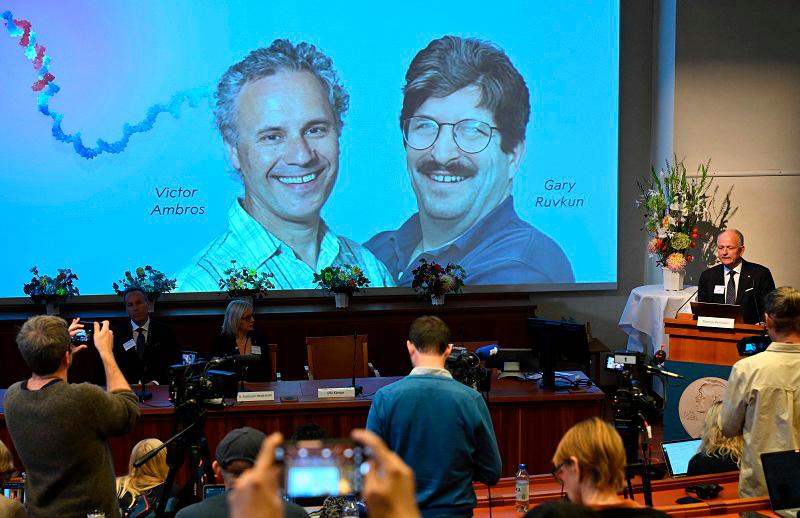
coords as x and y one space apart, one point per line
321 468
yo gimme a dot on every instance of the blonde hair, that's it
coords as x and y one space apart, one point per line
599 450
714 444
6 463
147 476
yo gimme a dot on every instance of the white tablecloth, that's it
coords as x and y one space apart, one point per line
644 313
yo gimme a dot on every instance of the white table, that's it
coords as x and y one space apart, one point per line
644 313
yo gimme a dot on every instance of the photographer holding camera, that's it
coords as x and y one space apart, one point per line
438 426
61 430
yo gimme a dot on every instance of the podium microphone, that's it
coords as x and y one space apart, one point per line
357 388
143 395
686 301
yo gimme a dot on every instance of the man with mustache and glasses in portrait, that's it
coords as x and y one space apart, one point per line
465 109
280 115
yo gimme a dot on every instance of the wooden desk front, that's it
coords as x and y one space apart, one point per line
528 421
543 488
690 343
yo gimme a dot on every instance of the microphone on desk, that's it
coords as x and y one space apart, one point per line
143 395
686 301
357 388
485 352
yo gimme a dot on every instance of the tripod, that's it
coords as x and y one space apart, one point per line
189 439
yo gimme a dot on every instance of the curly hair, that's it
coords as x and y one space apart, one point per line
280 56
714 444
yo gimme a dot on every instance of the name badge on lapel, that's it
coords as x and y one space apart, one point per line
256 349
130 344
719 289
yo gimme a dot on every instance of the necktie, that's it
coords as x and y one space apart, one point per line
730 293
140 342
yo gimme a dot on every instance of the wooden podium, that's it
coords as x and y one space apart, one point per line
704 356
710 345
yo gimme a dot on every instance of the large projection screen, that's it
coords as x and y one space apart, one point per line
111 157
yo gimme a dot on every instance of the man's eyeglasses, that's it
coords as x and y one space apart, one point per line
470 136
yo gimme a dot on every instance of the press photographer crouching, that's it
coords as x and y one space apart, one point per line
235 455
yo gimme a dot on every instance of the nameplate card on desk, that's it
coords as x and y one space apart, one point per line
338 392
723 323
255 396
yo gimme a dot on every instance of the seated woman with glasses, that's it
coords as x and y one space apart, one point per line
138 491
717 453
238 338
590 464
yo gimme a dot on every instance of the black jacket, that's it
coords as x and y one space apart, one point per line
161 352
754 284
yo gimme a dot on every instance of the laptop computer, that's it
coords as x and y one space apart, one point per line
677 455
712 309
782 472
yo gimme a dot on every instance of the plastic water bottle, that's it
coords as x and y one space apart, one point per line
523 490
350 508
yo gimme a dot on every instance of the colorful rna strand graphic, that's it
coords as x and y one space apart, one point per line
45 84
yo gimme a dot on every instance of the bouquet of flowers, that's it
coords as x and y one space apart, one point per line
341 279
675 206
436 280
150 280
241 281
44 288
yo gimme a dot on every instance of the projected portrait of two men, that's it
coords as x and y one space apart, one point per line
465 108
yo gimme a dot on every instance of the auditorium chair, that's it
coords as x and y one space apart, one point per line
331 357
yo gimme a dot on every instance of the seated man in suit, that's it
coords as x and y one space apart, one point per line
145 349
736 281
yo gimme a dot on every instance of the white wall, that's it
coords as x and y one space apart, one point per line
737 101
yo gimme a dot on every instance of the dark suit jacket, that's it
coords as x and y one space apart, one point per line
754 284
161 351
225 345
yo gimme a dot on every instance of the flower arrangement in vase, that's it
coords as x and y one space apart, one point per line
51 290
151 281
341 280
675 206
245 282
435 281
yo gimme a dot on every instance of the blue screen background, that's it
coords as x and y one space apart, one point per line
114 60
